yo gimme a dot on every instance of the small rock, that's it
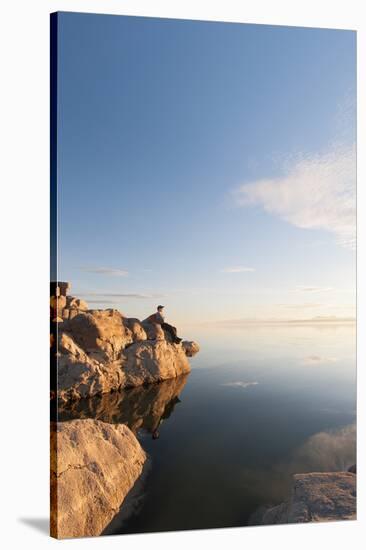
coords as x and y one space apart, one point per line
190 348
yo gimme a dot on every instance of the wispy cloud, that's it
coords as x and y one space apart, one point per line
237 269
318 320
117 296
316 359
316 192
313 288
300 306
106 271
240 384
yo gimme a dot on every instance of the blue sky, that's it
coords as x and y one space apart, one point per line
207 166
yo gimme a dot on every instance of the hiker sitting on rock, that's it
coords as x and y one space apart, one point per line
158 319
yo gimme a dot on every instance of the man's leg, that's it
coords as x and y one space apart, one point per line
172 331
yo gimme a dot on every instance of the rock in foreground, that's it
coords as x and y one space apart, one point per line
101 351
317 497
93 467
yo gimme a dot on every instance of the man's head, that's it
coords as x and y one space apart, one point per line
160 308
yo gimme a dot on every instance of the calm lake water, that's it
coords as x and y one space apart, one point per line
260 404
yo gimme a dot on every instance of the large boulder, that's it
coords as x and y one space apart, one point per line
81 375
317 497
137 329
153 361
93 467
102 333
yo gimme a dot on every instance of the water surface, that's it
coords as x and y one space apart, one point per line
260 404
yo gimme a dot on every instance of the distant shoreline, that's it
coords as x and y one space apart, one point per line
284 322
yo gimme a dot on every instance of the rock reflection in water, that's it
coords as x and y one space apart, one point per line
140 408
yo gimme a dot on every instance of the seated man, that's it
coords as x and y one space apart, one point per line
158 319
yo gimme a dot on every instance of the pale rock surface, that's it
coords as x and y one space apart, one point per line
80 375
190 348
153 361
101 351
317 497
93 467
137 329
76 303
102 333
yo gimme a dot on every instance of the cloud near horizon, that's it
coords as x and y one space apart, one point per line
102 295
237 269
106 271
317 191
316 359
258 321
313 288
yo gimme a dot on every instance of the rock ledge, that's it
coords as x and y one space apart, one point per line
317 497
99 351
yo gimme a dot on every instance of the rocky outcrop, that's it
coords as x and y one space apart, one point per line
153 361
93 467
101 351
317 497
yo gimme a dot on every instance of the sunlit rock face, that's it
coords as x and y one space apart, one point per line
317 497
101 351
102 334
190 348
153 361
93 467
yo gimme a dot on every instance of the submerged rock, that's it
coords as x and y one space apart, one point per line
317 497
93 467
101 351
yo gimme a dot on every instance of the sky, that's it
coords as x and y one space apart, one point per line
209 167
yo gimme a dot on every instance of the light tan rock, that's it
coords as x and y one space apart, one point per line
101 351
317 497
76 303
138 331
103 333
93 467
80 375
153 361
190 348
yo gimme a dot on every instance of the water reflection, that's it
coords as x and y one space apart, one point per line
141 408
327 451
